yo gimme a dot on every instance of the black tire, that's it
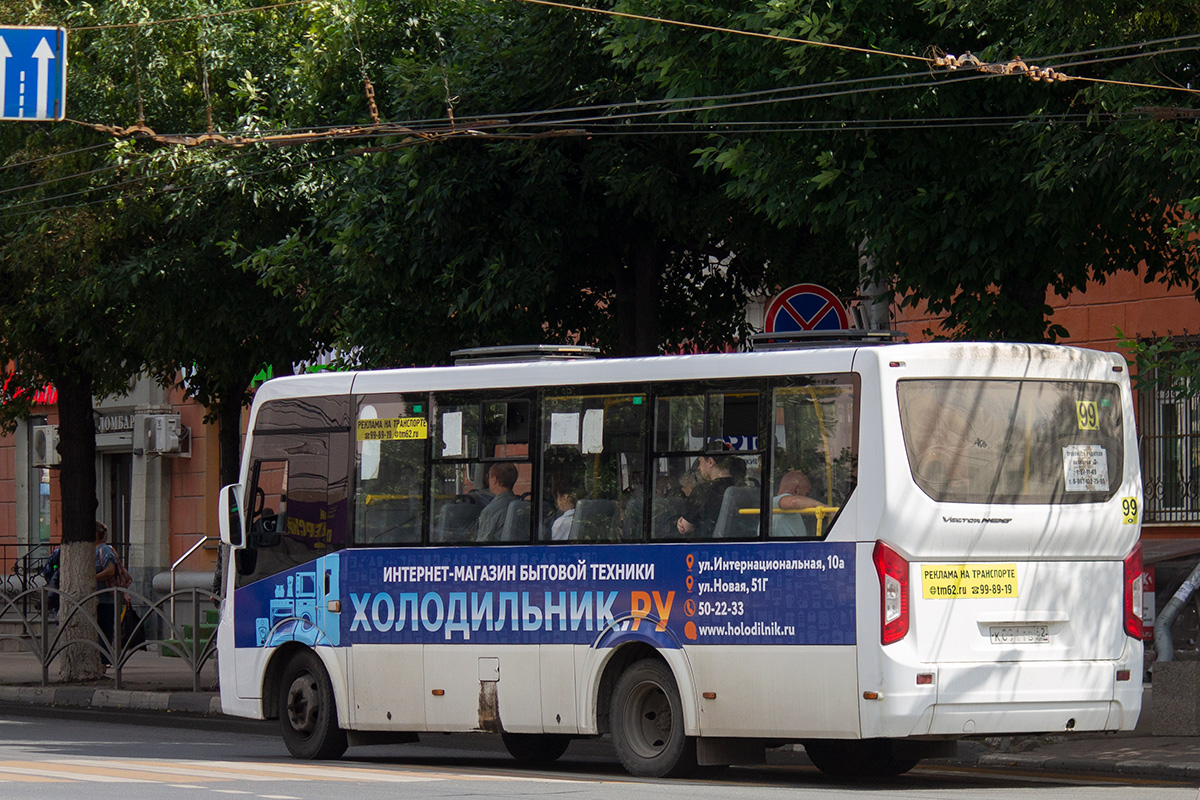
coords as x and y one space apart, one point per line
647 723
307 711
849 758
535 748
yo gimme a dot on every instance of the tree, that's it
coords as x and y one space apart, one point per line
489 233
61 322
124 255
975 193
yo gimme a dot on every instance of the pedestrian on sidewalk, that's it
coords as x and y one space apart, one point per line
106 607
50 574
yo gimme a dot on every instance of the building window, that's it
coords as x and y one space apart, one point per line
1169 428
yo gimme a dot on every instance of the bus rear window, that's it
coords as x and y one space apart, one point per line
1013 441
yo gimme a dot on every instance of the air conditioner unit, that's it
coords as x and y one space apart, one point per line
163 433
45 446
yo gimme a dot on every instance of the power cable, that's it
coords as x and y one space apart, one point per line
718 29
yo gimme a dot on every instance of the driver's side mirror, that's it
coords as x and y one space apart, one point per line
230 516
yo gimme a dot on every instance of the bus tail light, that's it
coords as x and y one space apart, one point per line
893 592
1133 592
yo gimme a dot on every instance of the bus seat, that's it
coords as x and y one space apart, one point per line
593 520
453 521
664 516
516 522
731 524
394 522
631 523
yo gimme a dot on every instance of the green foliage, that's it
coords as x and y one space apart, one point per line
1030 188
1162 365
615 240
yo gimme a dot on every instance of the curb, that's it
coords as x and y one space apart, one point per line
206 703
1144 767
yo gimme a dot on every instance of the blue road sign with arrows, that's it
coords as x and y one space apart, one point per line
33 73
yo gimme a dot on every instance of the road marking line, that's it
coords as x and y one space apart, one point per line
12 777
278 772
52 771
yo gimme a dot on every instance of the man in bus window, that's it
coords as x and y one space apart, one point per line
501 479
794 487
718 472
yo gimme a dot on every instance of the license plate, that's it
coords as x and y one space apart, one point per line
1020 634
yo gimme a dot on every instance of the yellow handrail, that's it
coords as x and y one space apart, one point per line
820 512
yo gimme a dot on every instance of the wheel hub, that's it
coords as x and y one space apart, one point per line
302 704
651 720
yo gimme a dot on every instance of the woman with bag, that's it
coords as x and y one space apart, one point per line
107 565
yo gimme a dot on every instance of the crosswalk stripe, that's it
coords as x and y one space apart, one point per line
354 772
46 769
255 771
191 771
151 771
10 777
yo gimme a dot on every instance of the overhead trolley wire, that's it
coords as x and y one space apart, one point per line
708 128
552 119
718 29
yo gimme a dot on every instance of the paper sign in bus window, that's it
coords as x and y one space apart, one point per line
1085 468
452 434
369 466
593 430
564 429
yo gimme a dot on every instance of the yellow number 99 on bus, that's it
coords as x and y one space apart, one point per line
1129 510
1089 419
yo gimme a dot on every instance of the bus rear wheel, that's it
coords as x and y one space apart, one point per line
647 723
307 711
866 758
535 748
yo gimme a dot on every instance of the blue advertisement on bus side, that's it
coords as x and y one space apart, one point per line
670 595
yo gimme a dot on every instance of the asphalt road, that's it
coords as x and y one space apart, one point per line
126 756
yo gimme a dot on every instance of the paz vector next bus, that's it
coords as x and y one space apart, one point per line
872 549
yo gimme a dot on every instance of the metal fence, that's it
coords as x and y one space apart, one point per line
1169 422
41 631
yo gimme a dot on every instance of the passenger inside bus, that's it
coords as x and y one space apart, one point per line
792 496
718 472
565 501
501 479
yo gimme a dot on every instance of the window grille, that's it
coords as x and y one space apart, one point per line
1169 433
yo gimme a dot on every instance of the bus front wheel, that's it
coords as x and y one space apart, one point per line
307 712
647 723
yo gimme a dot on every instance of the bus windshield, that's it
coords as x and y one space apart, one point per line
1013 441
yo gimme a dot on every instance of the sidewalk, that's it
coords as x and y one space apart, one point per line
157 684
150 682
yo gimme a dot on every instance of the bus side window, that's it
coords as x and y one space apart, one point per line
298 504
475 441
592 467
391 435
268 512
708 465
815 465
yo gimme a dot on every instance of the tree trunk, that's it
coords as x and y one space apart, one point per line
637 295
229 435
77 482
229 444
